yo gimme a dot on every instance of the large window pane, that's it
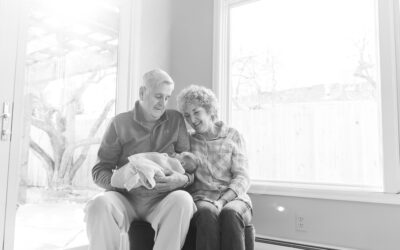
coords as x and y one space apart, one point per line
304 74
70 88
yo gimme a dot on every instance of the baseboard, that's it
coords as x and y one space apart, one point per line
291 244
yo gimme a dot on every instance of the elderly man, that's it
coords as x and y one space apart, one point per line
149 127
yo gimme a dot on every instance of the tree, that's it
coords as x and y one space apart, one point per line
365 66
252 76
67 154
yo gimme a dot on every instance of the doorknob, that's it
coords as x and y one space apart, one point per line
5 115
5 133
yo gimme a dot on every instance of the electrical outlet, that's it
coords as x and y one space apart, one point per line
300 223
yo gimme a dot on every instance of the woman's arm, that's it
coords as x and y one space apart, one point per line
239 167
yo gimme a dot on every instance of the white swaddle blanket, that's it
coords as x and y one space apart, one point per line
142 169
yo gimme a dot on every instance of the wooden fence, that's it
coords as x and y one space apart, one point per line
327 142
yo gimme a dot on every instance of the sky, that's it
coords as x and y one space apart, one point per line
313 41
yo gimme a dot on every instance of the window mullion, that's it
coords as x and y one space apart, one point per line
127 82
389 95
220 57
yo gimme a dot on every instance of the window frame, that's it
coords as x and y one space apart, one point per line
388 21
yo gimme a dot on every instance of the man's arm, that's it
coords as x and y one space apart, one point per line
107 158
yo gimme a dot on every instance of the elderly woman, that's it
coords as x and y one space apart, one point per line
221 179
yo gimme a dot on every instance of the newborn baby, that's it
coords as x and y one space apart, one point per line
143 168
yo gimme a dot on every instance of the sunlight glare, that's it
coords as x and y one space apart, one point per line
64 13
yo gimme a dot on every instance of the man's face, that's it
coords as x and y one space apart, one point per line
155 99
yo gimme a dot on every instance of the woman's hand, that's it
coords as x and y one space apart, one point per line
219 204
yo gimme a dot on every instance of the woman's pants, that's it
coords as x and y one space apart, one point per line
221 229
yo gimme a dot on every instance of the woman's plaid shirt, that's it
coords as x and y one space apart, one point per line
223 165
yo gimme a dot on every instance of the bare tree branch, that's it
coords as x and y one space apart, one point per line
67 162
82 157
94 78
67 159
363 68
40 152
55 136
45 126
100 119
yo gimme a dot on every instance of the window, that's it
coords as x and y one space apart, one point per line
315 81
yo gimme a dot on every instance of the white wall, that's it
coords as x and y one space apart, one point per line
336 223
191 50
341 224
154 35
176 35
151 41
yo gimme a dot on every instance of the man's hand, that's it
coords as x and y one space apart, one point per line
171 181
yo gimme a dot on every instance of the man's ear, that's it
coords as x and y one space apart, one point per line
142 90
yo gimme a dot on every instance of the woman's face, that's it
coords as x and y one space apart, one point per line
198 118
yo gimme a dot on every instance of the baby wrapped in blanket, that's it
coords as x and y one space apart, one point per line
143 168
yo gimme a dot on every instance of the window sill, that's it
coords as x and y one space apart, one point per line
322 192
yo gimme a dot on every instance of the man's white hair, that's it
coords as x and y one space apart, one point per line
154 77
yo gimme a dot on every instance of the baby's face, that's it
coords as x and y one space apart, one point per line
187 162
189 165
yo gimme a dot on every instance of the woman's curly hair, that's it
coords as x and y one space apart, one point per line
199 96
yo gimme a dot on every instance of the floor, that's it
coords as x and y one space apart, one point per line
60 226
262 246
49 227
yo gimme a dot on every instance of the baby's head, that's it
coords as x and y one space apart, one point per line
189 161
